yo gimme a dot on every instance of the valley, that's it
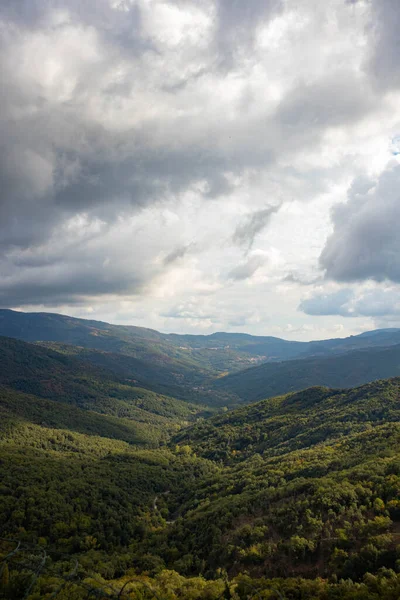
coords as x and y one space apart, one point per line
276 481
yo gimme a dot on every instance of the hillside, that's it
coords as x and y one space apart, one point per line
192 368
147 375
144 429
292 497
44 373
78 497
308 484
294 421
343 370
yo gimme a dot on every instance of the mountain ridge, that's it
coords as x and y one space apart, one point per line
23 324
347 370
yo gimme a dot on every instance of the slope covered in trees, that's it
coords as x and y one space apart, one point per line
292 497
147 375
30 373
294 421
189 359
308 484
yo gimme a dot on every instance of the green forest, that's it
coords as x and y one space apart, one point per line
112 490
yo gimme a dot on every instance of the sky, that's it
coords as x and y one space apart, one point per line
202 165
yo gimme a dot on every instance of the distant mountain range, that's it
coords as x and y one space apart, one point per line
222 369
344 370
216 351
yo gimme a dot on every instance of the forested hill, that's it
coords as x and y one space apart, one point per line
295 497
343 370
40 373
295 421
308 484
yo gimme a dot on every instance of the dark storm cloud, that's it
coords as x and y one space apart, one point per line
47 176
65 283
254 224
59 160
56 160
365 243
119 28
30 13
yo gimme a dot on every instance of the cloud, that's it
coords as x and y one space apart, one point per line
378 303
375 303
365 243
298 278
237 22
190 310
315 105
177 253
88 123
246 269
327 304
88 258
246 232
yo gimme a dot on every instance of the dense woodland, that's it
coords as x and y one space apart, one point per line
111 490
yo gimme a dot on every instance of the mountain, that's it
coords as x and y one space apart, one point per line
188 367
143 430
340 370
368 339
189 355
159 362
268 348
148 360
185 354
